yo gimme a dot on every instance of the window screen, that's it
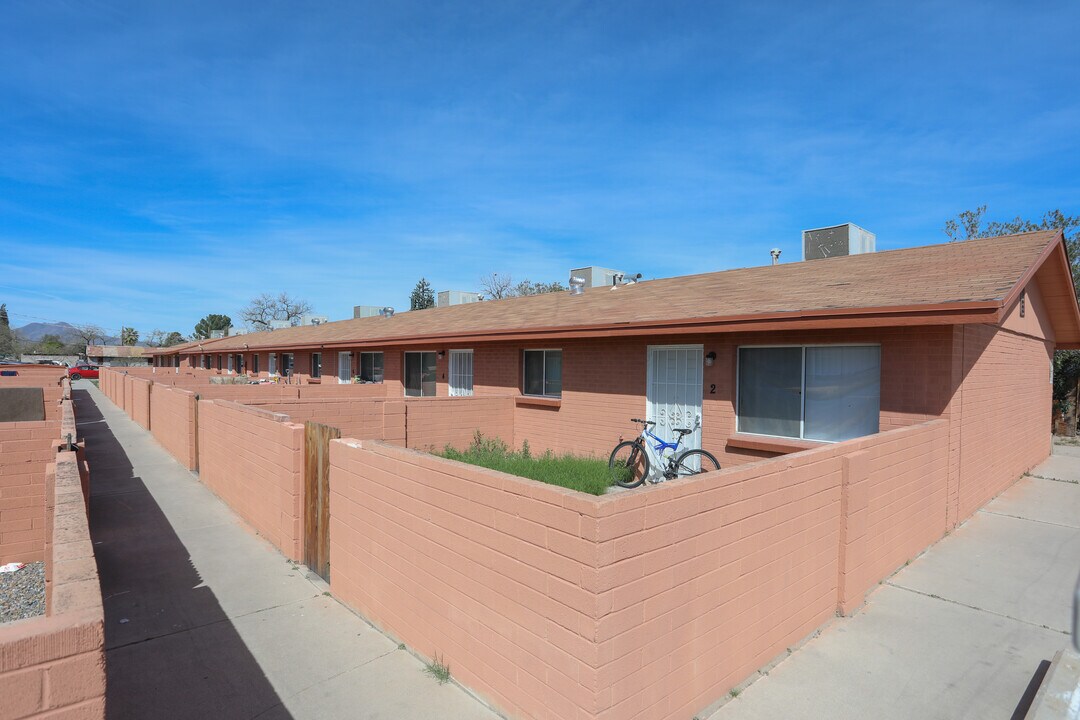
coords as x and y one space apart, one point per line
371 367
420 374
543 373
829 393
770 390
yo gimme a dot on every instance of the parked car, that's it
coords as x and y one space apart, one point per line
83 370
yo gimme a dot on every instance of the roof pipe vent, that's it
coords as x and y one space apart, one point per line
577 285
775 252
387 312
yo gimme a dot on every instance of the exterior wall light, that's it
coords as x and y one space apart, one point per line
710 359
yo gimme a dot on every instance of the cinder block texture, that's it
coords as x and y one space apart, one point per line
254 461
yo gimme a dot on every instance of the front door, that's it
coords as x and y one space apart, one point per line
344 367
673 394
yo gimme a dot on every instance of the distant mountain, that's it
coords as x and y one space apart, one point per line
35 331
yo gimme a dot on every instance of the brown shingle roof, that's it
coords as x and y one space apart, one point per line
972 275
116 351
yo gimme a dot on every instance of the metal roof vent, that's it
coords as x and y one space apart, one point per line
775 252
387 312
577 285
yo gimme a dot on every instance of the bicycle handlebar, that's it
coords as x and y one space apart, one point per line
643 422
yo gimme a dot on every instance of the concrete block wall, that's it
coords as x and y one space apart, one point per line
172 422
254 461
895 495
434 423
640 605
356 418
140 389
455 560
1004 403
54 665
26 449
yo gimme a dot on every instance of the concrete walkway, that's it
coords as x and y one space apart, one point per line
205 620
957 634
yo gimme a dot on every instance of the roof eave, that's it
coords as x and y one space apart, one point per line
938 314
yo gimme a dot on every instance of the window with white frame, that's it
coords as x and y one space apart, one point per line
287 364
316 365
206 362
826 392
371 367
542 373
344 367
271 364
420 374
239 362
230 362
461 373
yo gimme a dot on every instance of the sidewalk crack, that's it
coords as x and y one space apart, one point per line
1020 517
979 609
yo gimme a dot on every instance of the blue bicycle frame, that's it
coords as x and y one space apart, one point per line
661 446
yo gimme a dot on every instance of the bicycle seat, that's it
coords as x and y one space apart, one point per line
683 431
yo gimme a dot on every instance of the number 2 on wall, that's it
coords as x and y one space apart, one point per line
712 389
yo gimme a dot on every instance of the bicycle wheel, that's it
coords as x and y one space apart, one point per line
694 462
629 464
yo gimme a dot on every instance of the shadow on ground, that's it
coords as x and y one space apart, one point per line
171 651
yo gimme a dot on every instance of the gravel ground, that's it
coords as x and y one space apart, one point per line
22 593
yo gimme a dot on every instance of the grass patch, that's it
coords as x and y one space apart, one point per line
438 670
585 474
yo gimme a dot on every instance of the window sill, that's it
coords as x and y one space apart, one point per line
772 444
538 401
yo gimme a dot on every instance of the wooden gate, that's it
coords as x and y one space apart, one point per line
317 439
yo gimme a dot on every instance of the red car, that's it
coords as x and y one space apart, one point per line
82 370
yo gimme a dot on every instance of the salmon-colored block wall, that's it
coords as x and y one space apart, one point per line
54 665
434 423
253 460
1004 401
649 604
26 449
172 422
455 560
140 401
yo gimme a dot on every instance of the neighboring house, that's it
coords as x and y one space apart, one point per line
118 355
772 359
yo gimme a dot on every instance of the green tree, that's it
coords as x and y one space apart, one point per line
50 345
423 297
129 336
971 225
209 324
8 342
173 338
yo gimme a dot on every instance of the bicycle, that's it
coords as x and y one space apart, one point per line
633 462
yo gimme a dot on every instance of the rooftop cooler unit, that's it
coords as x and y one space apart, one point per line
446 298
598 276
846 239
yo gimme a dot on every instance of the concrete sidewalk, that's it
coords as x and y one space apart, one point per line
957 634
205 620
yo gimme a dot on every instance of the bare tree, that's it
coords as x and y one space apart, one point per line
267 307
496 286
89 333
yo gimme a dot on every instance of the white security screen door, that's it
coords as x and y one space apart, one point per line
461 372
344 368
673 394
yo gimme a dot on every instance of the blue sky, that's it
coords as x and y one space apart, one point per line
160 161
